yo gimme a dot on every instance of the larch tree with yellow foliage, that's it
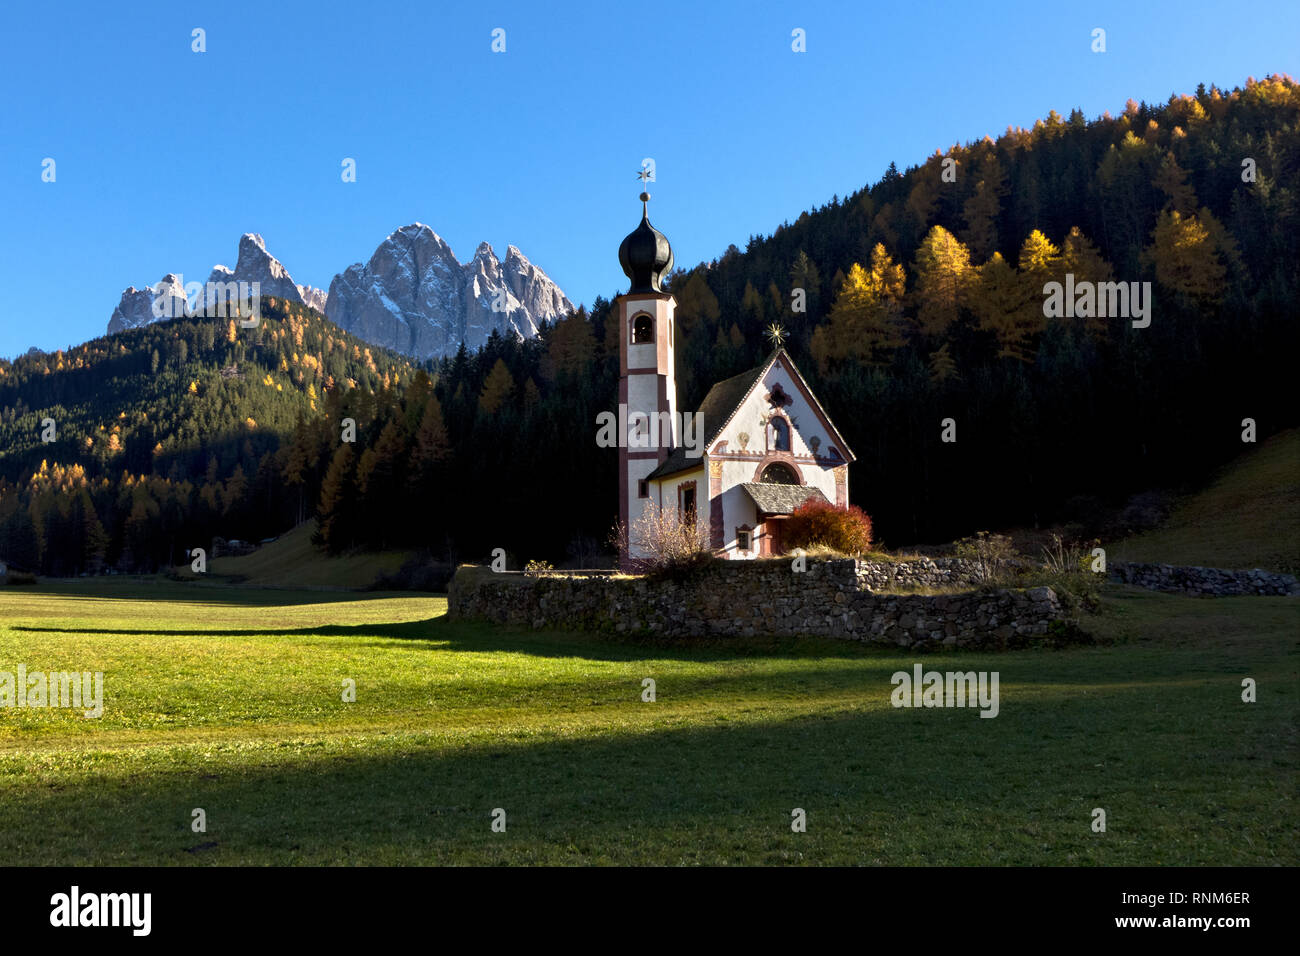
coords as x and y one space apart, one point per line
1185 259
866 320
497 389
1080 258
943 277
1003 307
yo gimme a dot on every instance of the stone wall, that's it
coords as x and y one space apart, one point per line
919 572
767 598
1215 582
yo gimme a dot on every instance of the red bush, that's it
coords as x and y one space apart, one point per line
818 523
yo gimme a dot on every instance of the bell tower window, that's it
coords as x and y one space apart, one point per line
643 329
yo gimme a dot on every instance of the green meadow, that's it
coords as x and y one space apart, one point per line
231 700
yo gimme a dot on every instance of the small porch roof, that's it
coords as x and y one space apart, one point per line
776 499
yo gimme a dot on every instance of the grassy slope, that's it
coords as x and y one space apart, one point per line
293 561
1249 517
229 700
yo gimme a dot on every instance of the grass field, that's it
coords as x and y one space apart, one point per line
230 700
292 561
1248 516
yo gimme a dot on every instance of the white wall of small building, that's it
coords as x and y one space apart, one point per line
737 506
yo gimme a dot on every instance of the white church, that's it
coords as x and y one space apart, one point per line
763 446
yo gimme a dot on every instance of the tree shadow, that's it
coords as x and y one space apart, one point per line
879 786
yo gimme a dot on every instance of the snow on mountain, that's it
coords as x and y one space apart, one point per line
416 297
413 296
163 300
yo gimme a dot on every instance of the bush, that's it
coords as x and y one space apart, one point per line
817 524
21 577
992 552
538 568
1064 556
670 542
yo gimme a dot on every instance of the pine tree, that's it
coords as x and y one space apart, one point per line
983 209
942 366
805 275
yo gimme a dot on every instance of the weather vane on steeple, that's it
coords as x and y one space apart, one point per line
646 175
776 335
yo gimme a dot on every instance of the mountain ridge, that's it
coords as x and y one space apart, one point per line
412 295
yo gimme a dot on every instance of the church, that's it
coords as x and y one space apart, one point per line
759 446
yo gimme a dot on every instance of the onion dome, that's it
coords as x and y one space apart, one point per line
645 254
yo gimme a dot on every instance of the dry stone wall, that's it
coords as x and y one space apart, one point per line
1214 582
765 598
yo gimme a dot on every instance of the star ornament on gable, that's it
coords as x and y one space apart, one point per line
776 335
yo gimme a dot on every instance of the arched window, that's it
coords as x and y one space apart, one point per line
779 474
643 329
780 434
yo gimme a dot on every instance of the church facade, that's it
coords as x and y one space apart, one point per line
759 446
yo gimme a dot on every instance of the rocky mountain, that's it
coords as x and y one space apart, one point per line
136 307
169 297
314 297
255 264
414 296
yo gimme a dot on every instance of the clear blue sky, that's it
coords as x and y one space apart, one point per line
165 156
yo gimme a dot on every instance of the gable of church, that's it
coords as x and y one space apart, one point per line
777 412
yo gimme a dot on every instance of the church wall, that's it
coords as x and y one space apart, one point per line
737 509
674 484
740 459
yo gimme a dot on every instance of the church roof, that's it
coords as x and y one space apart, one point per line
780 499
722 402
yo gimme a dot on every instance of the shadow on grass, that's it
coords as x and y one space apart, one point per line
879 786
445 633
126 588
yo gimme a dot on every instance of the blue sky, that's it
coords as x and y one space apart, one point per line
165 156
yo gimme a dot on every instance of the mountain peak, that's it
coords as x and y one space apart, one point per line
416 297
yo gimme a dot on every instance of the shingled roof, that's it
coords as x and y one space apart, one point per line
717 409
777 499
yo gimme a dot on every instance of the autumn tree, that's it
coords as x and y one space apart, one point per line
335 514
570 348
1080 258
943 276
497 389
1185 260
1003 306
865 322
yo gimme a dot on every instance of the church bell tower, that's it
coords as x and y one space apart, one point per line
647 388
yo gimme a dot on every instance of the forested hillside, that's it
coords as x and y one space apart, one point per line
166 435
925 301
922 299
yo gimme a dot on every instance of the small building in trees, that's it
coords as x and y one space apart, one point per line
758 447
